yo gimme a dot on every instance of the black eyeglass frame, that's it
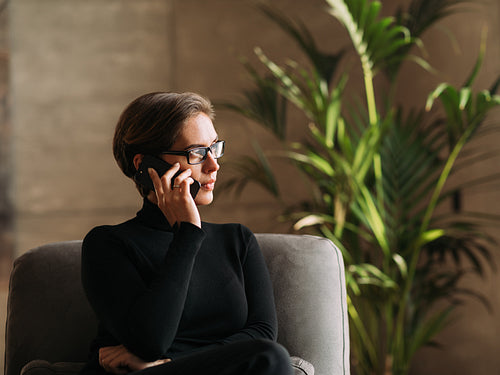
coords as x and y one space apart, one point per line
206 150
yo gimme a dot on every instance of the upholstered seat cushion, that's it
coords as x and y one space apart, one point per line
42 367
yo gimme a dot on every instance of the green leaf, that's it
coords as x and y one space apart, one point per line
465 97
368 274
313 160
431 235
401 263
436 93
308 221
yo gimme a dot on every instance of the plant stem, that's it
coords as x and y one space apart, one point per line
370 92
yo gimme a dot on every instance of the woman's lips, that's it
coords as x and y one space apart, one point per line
208 185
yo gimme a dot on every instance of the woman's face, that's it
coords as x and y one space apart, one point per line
198 131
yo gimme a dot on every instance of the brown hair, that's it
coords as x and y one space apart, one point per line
151 123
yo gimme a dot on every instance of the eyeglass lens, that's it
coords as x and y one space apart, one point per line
199 154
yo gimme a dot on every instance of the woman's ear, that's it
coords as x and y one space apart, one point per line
137 160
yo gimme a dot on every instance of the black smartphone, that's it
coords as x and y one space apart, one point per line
160 166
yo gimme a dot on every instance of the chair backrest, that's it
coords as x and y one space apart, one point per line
48 316
309 286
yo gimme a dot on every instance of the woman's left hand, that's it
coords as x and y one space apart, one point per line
118 360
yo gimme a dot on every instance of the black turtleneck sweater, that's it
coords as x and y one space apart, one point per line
165 292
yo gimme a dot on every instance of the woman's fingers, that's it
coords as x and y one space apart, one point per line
114 359
173 195
107 352
167 181
183 180
162 184
118 360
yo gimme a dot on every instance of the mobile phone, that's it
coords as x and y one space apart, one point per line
160 166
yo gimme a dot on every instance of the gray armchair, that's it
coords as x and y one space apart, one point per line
49 319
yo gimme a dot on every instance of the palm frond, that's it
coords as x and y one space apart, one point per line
325 64
423 14
375 40
420 16
248 169
262 104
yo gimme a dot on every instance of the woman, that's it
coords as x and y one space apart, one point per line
173 294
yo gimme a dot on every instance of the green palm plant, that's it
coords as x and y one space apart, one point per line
379 175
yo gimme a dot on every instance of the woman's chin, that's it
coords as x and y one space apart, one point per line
204 197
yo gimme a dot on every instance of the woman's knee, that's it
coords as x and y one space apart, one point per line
273 358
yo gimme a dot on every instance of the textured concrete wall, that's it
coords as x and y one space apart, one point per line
76 64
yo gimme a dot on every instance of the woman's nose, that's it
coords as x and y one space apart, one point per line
210 164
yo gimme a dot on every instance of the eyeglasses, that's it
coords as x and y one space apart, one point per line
198 155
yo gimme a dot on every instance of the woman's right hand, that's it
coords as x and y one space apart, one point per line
176 203
118 360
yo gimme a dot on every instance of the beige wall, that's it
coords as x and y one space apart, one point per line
76 64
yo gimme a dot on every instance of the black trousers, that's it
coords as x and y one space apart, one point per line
255 357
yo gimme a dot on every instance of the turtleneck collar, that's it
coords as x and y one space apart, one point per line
151 216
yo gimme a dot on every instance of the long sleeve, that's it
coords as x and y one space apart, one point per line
262 320
141 314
